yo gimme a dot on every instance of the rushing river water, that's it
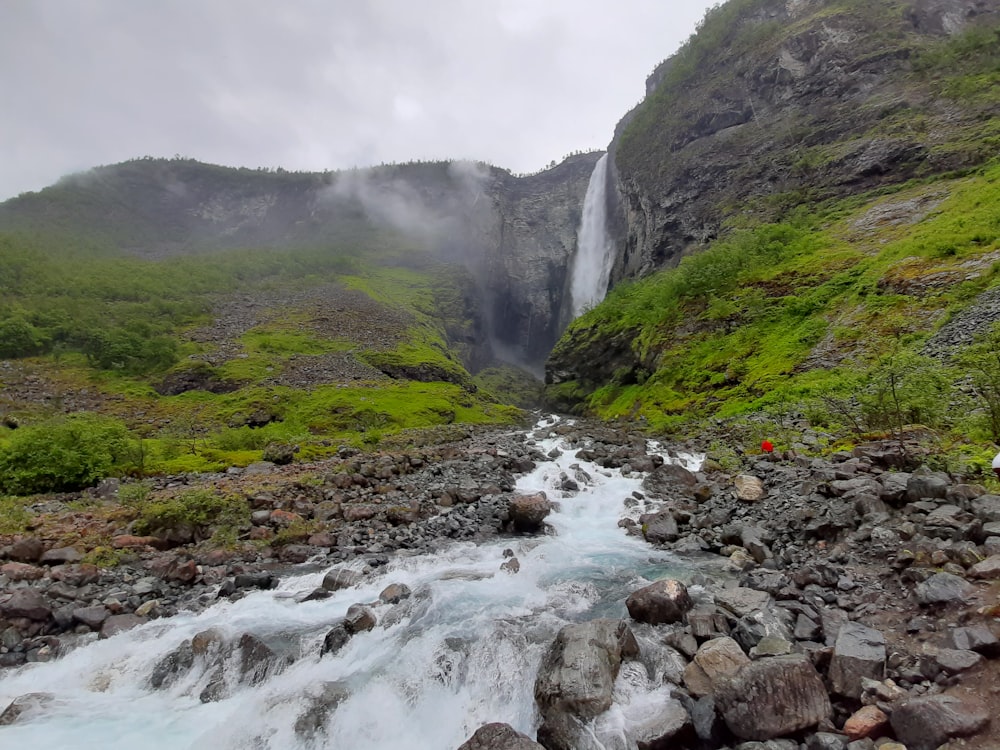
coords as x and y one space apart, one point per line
465 654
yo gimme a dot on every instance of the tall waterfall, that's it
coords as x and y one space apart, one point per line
463 651
594 252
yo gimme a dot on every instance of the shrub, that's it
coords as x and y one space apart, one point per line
198 509
64 454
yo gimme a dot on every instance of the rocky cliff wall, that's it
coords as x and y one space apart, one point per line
776 103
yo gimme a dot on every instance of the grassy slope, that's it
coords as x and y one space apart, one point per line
74 296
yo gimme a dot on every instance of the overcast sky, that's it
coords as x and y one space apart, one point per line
320 84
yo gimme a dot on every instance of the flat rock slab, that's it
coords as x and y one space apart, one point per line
742 601
928 721
944 588
773 697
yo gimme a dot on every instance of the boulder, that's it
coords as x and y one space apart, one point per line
978 638
577 673
662 726
987 508
341 578
498 736
720 659
359 618
749 489
528 512
61 556
741 601
336 639
116 624
988 569
19 571
26 603
662 602
92 617
943 588
927 485
26 550
928 721
25 707
773 697
172 666
670 481
394 593
868 721
859 652
659 528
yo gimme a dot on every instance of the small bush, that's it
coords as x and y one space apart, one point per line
64 454
198 509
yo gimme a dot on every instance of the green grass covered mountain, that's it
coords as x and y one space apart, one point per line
808 219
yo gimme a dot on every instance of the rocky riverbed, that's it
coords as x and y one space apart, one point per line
857 607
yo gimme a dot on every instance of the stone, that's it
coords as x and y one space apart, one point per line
341 578
659 528
92 617
827 741
660 726
394 593
868 721
577 673
116 624
335 639
76 575
928 721
922 485
749 489
741 601
26 550
988 569
321 701
659 603
26 603
954 661
987 508
528 512
172 666
25 707
359 618
19 571
258 661
943 588
720 659
859 652
498 736
978 638
61 556
773 697
670 481
262 579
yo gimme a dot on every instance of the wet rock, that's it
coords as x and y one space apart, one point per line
663 726
172 666
499 737
859 652
336 639
258 661
341 578
749 489
116 624
578 672
26 603
662 602
394 593
25 707
943 588
262 579
319 705
528 512
773 697
359 618
928 721
512 566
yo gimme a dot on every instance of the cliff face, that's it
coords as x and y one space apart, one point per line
778 103
516 235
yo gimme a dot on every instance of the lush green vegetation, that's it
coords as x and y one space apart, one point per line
827 310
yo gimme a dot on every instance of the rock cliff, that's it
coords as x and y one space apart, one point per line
776 103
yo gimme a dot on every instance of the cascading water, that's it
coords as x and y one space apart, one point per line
594 251
462 651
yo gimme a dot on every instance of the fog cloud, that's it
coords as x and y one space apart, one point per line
320 84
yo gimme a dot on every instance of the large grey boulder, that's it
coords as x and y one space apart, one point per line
987 508
341 578
659 603
928 721
577 674
859 652
978 638
659 528
720 660
26 603
661 727
943 588
670 481
498 736
927 484
773 697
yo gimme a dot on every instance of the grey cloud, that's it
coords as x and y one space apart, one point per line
311 84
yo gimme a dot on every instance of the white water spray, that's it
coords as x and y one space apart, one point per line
594 250
464 652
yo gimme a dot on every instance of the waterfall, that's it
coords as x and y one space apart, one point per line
463 651
594 251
